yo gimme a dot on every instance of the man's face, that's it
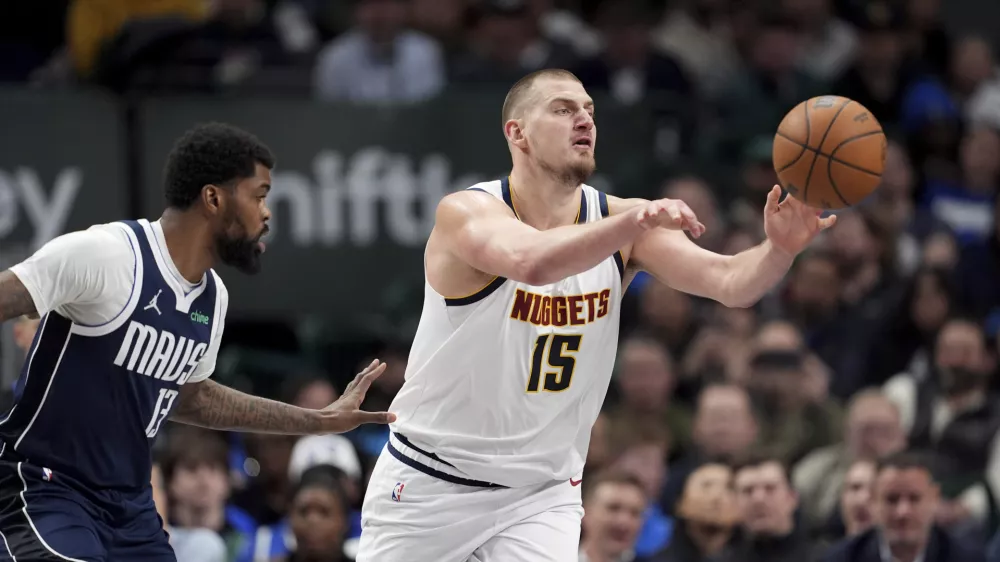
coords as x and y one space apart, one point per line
613 517
244 216
766 500
856 497
558 125
646 379
905 500
724 424
199 485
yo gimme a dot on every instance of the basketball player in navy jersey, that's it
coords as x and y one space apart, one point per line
131 318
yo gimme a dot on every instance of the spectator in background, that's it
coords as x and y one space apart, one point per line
880 76
646 379
926 38
92 24
793 422
380 60
443 21
312 391
700 197
628 68
856 505
873 431
558 23
967 208
196 473
190 545
265 498
979 268
829 44
667 315
706 517
505 44
613 506
722 342
905 500
771 84
318 514
724 430
908 336
971 68
767 504
940 250
644 456
700 35
832 330
599 454
950 416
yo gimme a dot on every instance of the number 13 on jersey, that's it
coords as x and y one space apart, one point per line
557 350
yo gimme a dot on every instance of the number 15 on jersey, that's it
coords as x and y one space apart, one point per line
557 351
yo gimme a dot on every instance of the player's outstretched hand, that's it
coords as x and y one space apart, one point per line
791 225
345 414
671 214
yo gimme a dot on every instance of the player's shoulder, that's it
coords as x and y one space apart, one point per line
101 244
475 198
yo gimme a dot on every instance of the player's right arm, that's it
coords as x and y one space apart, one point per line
15 300
481 231
78 268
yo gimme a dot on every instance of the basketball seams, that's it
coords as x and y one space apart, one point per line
803 146
805 189
833 184
831 156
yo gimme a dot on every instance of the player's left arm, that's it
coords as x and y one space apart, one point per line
209 404
735 281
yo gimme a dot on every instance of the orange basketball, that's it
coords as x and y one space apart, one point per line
829 152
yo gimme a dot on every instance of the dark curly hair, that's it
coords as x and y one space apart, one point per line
211 153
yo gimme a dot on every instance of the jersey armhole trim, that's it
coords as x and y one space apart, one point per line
133 300
476 296
605 213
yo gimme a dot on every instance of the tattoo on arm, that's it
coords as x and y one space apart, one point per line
212 405
14 298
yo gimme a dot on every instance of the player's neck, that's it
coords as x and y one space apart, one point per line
542 200
189 243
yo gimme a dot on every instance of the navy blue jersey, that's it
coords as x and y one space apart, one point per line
91 398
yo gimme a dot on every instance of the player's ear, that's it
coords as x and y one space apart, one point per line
514 132
211 197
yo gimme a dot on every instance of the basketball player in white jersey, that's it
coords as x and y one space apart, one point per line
515 348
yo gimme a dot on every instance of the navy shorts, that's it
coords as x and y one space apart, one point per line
50 516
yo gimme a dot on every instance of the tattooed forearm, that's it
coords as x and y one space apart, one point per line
14 298
212 405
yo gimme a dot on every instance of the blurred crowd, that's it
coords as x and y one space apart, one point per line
850 415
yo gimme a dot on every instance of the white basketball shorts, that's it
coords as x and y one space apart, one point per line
418 509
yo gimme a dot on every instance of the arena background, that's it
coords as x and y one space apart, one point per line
688 93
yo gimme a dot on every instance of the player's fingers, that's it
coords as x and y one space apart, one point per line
674 212
827 222
368 377
361 375
362 417
773 198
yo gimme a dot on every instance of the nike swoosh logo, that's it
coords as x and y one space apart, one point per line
575 482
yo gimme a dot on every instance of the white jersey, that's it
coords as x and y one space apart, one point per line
504 385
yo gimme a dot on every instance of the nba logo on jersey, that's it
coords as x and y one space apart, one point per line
47 474
397 492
